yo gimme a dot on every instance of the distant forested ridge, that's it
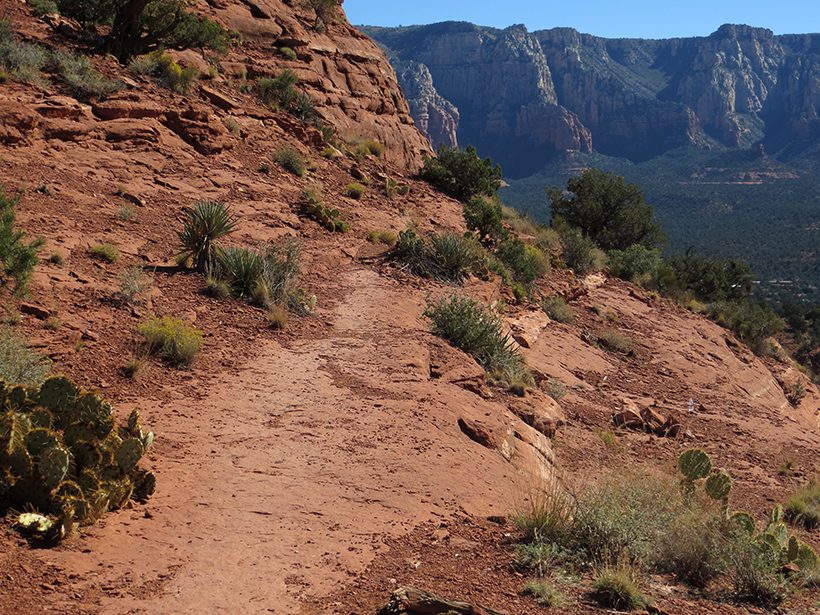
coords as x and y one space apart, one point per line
721 132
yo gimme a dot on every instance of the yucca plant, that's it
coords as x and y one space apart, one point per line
241 268
204 223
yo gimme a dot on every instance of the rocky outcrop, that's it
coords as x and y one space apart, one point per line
436 117
625 97
347 77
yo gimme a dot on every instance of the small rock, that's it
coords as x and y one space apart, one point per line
35 310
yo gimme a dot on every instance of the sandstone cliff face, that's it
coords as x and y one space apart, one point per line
436 117
499 81
626 97
345 74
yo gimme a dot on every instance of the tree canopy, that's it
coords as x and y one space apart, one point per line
140 26
461 173
607 211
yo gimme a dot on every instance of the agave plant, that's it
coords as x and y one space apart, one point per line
204 223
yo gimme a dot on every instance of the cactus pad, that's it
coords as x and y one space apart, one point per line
58 393
135 423
695 464
38 440
78 432
53 465
129 454
745 522
17 398
718 485
85 454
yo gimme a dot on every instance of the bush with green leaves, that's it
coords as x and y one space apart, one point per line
278 92
17 257
461 173
165 70
172 339
21 60
325 11
203 225
616 587
580 253
485 218
447 257
133 282
107 252
290 159
44 7
753 323
803 508
471 326
607 211
241 268
525 262
634 264
18 363
556 308
356 190
137 27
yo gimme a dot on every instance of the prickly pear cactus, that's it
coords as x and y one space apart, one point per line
694 464
718 486
63 455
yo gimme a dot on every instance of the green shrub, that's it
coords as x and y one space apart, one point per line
216 287
580 253
484 217
635 263
448 257
126 213
695 547
461 173
356 190
526 262
618 342
386 237
278 92
616 587
751 322
456 255
19 364
623 517
803 507
471 326
83 80
289 53
172 339
374 147
132 283
44 7
546 594
204 223
290 159
281 267
241 268
545 517
557 309
21 60
165 71
755 572
107 252
17 258
605 210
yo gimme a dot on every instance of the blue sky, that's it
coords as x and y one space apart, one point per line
606 18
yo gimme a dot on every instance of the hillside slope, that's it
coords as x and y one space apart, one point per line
291 463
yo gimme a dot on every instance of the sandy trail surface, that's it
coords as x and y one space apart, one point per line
279 484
